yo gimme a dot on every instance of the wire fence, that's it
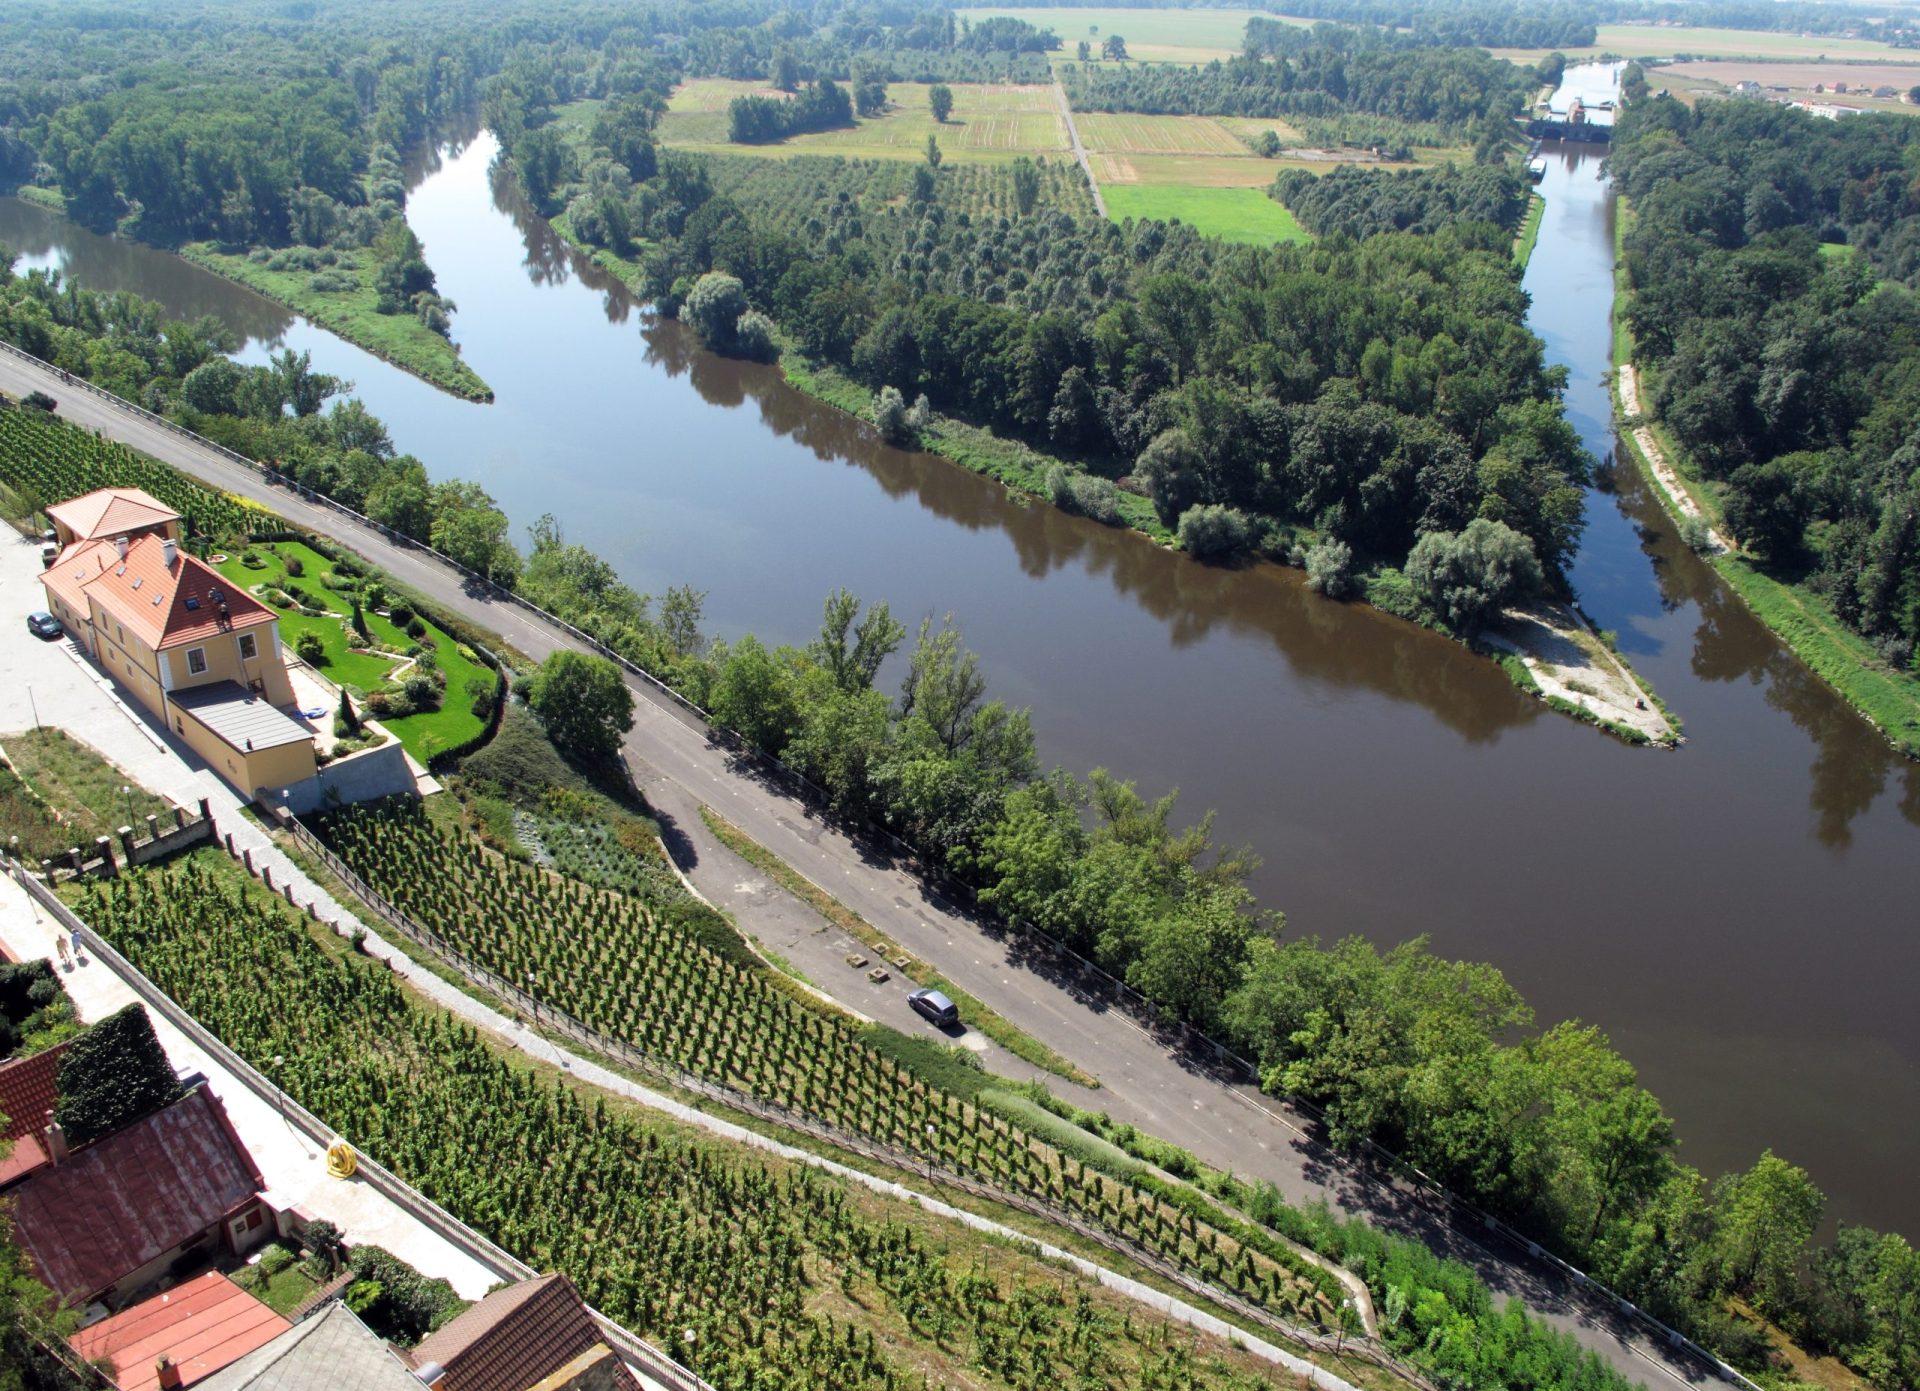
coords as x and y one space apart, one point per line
1221 1061
430 1214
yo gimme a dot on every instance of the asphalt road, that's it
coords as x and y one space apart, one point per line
1143 1082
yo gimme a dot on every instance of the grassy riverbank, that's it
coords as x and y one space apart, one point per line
1801 619
400 339
1529 236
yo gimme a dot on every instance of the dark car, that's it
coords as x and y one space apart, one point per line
44 625
935 1006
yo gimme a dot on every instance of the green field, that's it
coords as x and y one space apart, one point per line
991 122
1166 36
1235 214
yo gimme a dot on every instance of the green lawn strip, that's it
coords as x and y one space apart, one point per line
994 1026
1529 230
52 199
400 339
1232 214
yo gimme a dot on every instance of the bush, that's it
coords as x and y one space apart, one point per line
753 337
421 691
416 629
310 649
1211 531
1467 577
401 616
275 1259
1695 533
296 569
714 308
1330 569
890 416
1074 491
113 1074
402 1306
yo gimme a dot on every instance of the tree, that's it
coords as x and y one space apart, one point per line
933 152
754 694
890 416
300 386
1211 530
714 308
471 530
585 703
1083 50
1467 577
786 72
1169 469
940 98
852 654
1330 568
1026 185
1764 1219
1114 49
215 387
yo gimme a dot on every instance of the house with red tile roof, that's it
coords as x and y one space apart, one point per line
109 512
106 1221
199 1327
29 1088
198 651
537 1333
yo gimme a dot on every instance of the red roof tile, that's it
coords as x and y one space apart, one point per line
203 1325
111 512
29 1087
514 1337
166 605
110 1208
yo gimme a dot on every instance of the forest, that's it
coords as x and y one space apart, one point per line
1355 201
1339 71
1773 259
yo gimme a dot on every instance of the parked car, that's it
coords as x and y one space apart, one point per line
937 1008
44 625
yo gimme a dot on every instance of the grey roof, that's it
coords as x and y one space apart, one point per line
332 1351
237 715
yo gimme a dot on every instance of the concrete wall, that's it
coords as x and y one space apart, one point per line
359 777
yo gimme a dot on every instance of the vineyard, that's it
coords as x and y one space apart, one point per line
44 460
615 965
759 1273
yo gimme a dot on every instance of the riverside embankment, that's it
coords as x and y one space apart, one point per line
1393 782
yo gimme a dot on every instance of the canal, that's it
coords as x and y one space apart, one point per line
1730 914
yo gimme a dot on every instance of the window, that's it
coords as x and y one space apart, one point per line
196 660
249 649
192 603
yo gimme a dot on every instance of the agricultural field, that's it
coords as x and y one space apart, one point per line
1796 82
44 460
1670 40
991 122
1234 214
322 604
692 996
1154 36
756 1270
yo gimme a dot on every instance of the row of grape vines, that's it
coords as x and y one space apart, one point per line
612 964
757 1272
46 459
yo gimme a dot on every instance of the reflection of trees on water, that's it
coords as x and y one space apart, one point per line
108 264
550 258
1344 647
1851 762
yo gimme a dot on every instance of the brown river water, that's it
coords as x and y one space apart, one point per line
1730 914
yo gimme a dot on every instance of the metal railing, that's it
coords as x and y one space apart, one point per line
378 1177
1231 1067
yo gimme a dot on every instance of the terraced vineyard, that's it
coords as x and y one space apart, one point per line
758 1272
610 962
45 460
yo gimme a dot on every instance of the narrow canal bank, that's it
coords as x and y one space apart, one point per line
1394 783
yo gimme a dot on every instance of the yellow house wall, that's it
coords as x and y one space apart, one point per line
223 663
130 662
249 772
281 767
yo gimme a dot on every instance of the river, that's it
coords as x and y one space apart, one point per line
1730 914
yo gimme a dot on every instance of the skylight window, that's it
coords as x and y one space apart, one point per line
121 571
138 581
192 602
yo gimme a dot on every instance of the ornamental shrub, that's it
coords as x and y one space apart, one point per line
310 649
1211 530
115 1073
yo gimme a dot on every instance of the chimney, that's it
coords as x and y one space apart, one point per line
56 1142
120 545
168 1373
169 551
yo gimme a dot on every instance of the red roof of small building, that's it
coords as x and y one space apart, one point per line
166 605
110 1208
515 1337
111 512
204 1325
29 1087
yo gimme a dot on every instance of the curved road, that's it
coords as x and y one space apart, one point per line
679 767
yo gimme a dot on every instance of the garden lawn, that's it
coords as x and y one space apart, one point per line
1232 214
425 734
